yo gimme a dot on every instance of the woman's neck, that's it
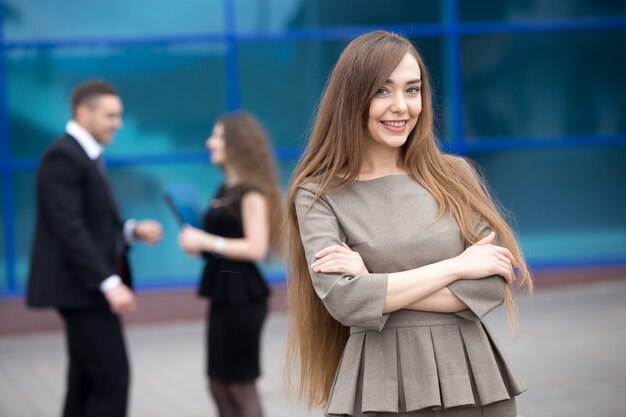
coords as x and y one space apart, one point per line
231 177
380 162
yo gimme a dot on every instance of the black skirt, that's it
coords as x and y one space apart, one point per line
233 340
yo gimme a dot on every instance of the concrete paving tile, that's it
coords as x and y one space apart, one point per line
569 353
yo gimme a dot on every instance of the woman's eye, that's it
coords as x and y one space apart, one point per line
381 92
413 90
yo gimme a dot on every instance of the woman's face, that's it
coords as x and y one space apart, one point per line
215 144
395 108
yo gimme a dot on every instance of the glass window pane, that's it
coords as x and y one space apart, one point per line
171 94
139 190
77 19
435 56
515 11
24 223
569 203
544 84
285 169
281 82
280 15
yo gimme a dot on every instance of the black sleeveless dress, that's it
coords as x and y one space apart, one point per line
238 295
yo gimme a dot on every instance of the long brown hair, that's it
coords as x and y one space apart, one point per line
335 149
248 153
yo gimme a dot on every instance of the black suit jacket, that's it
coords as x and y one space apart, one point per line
78 232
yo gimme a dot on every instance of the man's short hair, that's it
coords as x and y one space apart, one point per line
88 91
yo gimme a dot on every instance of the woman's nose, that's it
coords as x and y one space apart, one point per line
398 104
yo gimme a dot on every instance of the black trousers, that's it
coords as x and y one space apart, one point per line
98 375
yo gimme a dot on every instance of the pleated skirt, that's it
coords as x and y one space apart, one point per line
506 408
422 362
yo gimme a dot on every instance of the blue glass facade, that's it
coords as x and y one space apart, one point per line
532 90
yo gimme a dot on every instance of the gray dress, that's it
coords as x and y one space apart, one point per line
407 360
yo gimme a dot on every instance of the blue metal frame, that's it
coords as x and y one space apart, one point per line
31 164
541 142
118 42
287 154
160 284
452 30
484 28
454 69
336 33
232 59
582 262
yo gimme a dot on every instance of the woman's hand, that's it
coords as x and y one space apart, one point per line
194 241
484 259
340 260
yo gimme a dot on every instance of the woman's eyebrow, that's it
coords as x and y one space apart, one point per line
415 81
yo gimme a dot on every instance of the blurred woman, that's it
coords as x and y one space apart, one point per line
241 226
396 251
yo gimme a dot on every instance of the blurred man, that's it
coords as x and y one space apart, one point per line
78 263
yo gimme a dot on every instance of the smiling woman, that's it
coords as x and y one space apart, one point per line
396 252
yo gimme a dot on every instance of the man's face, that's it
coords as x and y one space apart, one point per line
102 117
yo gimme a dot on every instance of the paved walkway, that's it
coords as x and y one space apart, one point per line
571 354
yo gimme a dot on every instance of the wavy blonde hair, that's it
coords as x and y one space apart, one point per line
335 149
249 154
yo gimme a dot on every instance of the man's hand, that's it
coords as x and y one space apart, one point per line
121 299
148 231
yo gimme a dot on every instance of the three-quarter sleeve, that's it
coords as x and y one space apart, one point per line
352 300
480 295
